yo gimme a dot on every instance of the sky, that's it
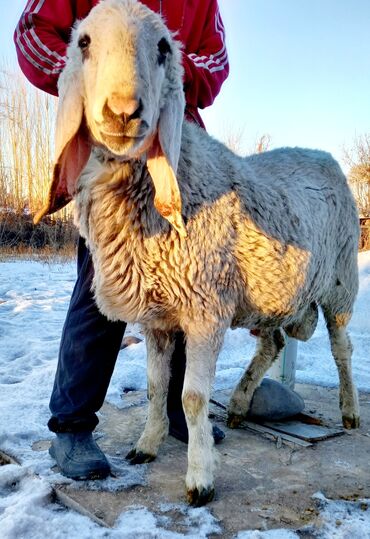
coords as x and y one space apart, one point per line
299 72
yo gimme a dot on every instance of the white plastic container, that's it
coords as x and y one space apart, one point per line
284 368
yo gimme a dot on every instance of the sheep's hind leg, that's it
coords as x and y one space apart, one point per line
160 347
270 343
201 356
341 348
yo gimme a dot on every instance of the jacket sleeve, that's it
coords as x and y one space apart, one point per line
207 68
43 31
41 38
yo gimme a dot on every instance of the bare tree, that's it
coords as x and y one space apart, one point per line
358 159
234 139
26 140
263 143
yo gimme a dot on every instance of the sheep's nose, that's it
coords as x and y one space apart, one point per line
125 106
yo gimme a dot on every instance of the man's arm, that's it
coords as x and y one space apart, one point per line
43 32
41 38
207 68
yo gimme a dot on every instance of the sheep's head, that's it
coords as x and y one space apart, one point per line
121 89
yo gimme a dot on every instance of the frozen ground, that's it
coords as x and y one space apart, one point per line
33 302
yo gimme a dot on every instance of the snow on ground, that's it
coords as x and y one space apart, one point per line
33 302
339 520
27 512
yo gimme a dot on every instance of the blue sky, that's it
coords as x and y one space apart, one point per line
300 71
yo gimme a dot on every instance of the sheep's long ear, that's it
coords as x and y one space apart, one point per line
163 158
72 147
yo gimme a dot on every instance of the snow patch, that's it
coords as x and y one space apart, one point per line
34 298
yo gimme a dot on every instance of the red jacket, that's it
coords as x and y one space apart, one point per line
44 28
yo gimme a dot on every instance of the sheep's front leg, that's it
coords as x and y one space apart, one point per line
201 353
160 346
270 342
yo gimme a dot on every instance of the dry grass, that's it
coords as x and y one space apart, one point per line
26 152
18 234
46 255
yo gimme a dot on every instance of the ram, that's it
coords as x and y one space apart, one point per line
186 235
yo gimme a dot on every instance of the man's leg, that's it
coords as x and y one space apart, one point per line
89 347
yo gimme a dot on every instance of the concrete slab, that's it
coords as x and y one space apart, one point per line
262 482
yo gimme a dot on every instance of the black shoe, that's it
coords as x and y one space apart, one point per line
179 430
78 456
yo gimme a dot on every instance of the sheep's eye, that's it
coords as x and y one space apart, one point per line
84 42
163 49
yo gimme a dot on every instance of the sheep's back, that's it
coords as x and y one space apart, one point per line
299 218
292 216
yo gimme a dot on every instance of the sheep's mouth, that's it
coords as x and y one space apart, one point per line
120 139
120 136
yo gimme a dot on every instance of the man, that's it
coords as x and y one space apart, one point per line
90 343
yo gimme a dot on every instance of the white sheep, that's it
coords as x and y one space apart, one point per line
185 235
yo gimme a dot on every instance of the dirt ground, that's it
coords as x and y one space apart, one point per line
262 482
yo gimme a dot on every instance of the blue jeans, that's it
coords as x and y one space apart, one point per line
88 351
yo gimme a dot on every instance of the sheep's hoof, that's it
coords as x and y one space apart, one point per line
351 422
197 498
234 421
138 457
